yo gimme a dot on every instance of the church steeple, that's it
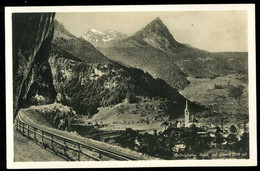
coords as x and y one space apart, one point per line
186 105
186 115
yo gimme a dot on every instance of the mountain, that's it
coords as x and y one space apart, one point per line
154 50
52 65
75 79
157 35
102 39
149 49
79 47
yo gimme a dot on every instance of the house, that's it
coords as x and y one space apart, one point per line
180 124
213 144
178 148
212 131
203 134
205 128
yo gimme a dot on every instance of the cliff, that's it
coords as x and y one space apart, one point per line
32 35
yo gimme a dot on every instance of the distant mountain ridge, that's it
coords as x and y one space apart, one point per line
102 39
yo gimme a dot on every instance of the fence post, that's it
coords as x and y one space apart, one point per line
64 148
43 139
34 134
52 142
100 155
78 152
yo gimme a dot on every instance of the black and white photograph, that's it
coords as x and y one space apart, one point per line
153 85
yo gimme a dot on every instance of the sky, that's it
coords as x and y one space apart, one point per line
214 31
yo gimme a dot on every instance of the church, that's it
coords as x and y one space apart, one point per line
187 121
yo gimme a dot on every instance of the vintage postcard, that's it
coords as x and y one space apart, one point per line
131 86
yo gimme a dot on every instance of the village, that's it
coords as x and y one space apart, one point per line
188 138
219 135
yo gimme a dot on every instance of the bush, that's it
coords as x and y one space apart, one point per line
233 129
127 138
235 92
130 97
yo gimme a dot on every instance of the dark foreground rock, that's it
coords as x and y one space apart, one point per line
32 34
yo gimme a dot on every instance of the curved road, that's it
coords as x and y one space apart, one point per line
119 155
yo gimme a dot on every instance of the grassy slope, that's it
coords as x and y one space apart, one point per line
135 116
26 150
150 60
203 91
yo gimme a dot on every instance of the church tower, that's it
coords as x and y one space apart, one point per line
186 115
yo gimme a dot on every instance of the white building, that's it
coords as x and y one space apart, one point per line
187 122
187 115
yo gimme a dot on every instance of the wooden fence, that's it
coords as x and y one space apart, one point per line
65 147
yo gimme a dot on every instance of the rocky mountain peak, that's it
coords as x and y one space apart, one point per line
157 20
157 35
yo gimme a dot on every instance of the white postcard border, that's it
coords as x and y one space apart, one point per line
252 161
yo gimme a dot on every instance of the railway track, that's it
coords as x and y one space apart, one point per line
80 143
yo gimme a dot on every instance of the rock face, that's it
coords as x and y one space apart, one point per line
157 35
32 34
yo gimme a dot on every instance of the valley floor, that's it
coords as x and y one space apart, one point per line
26 150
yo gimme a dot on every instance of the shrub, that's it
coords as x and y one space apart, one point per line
233 129
235 92
127 138
130 97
